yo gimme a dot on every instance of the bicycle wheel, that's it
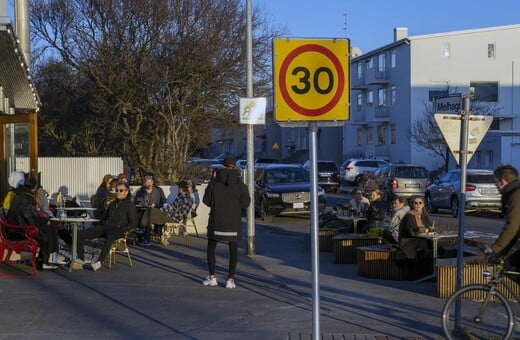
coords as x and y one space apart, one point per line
484 314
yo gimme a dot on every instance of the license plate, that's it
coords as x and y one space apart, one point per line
298 205
411 185
489 192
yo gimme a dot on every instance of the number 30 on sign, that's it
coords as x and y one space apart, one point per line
311 79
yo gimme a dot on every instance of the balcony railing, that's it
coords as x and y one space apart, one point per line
377 76
358 83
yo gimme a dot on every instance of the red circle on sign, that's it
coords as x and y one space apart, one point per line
283 85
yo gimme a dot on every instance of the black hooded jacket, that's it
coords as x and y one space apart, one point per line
226 195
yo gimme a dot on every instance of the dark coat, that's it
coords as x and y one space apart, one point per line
511 209
121 214
226 195
23 209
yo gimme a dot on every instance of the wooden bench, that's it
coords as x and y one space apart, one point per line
389 263
26 243
471 273
344 246
326 235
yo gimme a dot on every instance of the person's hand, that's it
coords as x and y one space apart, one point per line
486 250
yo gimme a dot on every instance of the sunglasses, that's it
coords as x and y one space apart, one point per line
419 203
120 190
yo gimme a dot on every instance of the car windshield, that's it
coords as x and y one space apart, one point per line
411 172
327 166
275 176
480 178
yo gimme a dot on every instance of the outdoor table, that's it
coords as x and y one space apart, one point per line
326 235
344 246
74 222
434 237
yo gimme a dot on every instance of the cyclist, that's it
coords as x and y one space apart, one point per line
508 183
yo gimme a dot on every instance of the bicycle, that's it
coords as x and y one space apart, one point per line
485 313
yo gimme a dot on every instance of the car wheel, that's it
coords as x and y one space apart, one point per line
428 204
263 213
454 206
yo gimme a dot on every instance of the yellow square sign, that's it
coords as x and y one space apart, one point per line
311 79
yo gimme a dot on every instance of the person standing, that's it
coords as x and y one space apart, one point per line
508 184
226 195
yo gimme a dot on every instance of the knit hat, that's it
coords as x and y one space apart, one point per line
16 179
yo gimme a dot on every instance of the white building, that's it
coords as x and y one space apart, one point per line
390 87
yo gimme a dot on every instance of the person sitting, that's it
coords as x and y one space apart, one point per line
376 211
415 221
100 197
23 211
149 195
358 203
15 180
175 212
119 217
399 209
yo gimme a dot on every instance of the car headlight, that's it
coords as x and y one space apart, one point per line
272 195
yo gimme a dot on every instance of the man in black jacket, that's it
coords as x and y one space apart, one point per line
23 212
119 217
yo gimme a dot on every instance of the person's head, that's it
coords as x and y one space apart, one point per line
504 175
16 179
229 162
398 202
122 177
107 181
121 190
183 187
376 195
357 195
32 183
148 182
418 203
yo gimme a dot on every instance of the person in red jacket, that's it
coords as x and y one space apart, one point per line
226 195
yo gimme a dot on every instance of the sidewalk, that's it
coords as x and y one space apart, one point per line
162 297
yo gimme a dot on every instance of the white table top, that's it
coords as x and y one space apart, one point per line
74 219
76 208
436 235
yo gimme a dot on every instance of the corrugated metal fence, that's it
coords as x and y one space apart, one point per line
74 176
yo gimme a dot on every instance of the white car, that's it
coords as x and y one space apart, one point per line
352 170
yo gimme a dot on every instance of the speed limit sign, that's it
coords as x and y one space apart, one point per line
311 80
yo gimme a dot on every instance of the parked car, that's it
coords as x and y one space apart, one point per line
283 189
404 180
353 171
328 174
481 192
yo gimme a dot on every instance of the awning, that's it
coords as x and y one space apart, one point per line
15 80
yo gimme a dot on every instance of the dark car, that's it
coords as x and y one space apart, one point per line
328 174
481 192
404 180
283 189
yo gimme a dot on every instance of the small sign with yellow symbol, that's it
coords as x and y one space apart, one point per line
252 110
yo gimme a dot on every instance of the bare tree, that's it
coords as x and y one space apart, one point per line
424 132
158 79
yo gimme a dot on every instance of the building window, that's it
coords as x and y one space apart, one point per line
381 132
434 94
485 91
381 61
369 63
445 50
370 135
359 101
359 70
392 134
359 136
491 51
370 98
393 94
393 59
381 97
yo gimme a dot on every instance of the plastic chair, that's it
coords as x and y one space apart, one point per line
119 246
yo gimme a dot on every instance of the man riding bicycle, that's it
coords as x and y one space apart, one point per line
508 183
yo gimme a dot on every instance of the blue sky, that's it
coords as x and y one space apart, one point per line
370 24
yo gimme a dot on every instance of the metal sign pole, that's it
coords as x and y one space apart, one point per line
250 140
463 161
313 156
